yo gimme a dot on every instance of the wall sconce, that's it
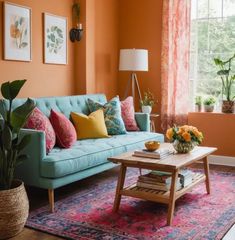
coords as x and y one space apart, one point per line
77 32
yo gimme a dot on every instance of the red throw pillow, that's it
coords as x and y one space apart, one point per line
38 121
65 132
128 114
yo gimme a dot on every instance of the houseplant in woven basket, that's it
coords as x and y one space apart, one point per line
228 79
14 205
184 138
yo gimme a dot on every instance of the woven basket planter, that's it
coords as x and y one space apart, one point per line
14 210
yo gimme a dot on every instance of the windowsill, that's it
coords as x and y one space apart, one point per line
215 113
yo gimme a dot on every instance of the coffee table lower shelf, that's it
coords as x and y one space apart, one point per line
160 196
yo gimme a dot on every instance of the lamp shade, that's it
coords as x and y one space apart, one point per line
133 60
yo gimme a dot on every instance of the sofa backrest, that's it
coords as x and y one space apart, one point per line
64 105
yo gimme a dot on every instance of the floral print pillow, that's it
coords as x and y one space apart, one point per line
65 132
38 121
112 115
128 114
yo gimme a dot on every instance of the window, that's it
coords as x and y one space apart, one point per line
212 36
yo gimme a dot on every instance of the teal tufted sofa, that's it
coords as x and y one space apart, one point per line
85 158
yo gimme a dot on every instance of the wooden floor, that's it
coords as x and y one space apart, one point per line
38 198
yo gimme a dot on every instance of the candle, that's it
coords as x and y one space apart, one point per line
79 26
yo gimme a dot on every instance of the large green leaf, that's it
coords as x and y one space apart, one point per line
21 158
3 110
10 90
223 72
6 137
24 142
20 114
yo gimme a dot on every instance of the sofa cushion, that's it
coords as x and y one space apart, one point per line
112 115
38 121
92 152
128 114
65 132
92 126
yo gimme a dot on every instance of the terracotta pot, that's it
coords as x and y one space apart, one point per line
14 210
146 109
208 108
228 107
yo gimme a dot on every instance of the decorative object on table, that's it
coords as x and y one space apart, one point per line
184 138
147 102
112 115
14 205
133 60
227 83
76 33
194 218
55 39
198 103
152 145
17 32
128 114
209 104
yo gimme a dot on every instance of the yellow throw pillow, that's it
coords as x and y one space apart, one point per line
92 126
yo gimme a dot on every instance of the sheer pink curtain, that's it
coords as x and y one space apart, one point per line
175 62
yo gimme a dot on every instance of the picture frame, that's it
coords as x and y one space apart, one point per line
17 32
55 39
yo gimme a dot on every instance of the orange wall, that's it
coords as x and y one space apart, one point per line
43 79
140 26
97 53
218 130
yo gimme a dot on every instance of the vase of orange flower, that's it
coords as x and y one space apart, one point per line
184 138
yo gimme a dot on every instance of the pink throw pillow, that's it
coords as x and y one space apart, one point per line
38 121
128 114
64 129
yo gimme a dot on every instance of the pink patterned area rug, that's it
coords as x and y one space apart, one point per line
88 213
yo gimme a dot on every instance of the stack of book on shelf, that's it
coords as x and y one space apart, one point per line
159 180
186 177
158 154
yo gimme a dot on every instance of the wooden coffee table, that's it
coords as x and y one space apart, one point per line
171 164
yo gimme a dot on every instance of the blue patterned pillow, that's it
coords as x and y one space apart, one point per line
112 115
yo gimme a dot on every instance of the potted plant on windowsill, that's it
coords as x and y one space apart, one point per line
209 104
198 103
147 102
227 82
14 204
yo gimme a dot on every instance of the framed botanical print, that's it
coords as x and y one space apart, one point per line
55 39
17 32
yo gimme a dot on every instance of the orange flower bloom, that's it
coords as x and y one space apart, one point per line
169 133
186 136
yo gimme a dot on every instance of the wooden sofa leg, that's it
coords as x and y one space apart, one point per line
51 199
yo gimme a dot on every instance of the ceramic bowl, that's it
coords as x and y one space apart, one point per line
152 145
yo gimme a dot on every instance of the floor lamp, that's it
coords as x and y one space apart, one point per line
133 60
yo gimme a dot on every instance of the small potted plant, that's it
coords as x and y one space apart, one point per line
147 102
14 205
228 80
209 104
198 103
